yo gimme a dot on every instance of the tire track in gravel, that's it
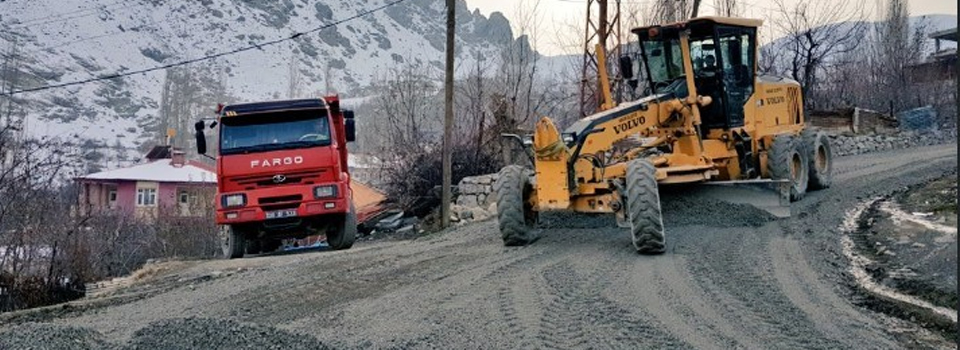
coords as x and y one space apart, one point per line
677 289
833 317
578 314
736 271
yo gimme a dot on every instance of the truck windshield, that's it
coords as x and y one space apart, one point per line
274 131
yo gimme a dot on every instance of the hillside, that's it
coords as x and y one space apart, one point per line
67 40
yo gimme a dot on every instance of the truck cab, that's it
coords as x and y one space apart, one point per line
282 173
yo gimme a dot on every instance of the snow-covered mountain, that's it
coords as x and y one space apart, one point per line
61 41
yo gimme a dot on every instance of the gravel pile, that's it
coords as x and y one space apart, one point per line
685 207
203 333
36 336
174 334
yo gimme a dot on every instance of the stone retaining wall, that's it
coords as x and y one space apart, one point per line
476 199
844 145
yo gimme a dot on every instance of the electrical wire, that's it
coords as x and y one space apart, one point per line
258 46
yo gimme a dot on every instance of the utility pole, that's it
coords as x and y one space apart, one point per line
448 116
602 27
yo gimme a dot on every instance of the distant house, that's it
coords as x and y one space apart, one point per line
942 63
853 120
166 184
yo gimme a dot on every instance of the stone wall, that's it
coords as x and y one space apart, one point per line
844 145
476 199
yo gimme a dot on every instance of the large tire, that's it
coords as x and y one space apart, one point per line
643 208
515 215
233 243
787 160
344 234
820 158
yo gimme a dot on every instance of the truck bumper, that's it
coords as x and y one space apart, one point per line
261 204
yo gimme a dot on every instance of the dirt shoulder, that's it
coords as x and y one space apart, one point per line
910 241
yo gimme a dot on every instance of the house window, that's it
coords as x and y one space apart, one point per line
146 197
184 197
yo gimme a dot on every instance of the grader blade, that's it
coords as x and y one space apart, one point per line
772 196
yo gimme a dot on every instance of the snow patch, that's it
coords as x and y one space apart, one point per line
858 265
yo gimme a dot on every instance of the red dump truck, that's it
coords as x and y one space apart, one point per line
282 173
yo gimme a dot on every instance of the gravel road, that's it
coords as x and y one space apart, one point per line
732 278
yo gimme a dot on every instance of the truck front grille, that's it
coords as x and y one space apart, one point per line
289 179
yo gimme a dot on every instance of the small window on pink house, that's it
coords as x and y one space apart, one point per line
146 197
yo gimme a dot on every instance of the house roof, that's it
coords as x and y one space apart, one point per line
946 34
160 171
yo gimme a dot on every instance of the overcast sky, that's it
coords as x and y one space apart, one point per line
556 17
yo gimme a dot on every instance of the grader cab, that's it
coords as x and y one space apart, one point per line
708 118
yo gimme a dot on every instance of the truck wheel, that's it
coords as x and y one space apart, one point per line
820 155
233 242
342 236
643 208
515 215
787 160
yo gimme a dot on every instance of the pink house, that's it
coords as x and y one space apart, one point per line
167 184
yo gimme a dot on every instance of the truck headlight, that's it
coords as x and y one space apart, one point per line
325 191
568 138
233 200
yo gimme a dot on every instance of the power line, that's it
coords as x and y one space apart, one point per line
207 57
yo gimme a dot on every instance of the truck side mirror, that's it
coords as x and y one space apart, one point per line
626 67
349 126
201 138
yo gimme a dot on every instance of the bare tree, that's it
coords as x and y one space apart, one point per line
728 8
816 33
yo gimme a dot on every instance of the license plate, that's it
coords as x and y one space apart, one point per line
280 214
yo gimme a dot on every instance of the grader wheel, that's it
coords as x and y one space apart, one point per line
820 155
515 215
788 160
643 208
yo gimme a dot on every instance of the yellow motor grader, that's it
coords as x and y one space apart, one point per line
709 118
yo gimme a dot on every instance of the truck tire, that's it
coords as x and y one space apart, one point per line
343 236
643 208
515 215
787 160
233 242
820 155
